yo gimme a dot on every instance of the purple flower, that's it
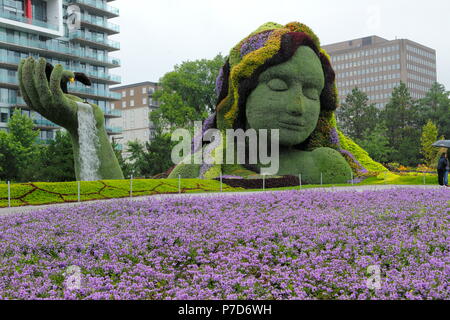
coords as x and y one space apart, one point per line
197 141
334 137
284 245
219 82
256 42
361 169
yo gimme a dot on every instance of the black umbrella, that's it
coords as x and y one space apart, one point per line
442 144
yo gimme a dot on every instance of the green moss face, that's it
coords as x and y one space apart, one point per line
288 98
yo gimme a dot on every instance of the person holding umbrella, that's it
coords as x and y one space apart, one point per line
447 169
443 168
444 163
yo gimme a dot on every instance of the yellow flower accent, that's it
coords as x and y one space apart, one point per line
248 66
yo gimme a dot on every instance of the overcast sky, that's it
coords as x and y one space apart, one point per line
157 34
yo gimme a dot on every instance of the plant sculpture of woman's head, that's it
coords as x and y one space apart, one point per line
280 78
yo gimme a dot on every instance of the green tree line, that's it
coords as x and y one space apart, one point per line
404 130
24 159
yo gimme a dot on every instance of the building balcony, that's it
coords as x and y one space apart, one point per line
112 131
44 124
97 7
18 101
55 49
112 114
96 94
95 42
9 61
12 16
19 18
100 25
104 77
101 77
8 81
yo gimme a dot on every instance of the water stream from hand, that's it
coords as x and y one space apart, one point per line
89 142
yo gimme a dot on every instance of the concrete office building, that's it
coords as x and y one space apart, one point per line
376 66
136 105
38 28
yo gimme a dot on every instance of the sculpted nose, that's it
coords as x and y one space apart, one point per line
296 106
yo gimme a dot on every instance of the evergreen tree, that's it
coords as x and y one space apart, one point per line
18 148
56 160
436 107
401 117
356 116
376 144
151 158
124 165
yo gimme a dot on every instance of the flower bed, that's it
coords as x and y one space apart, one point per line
269 183
290 245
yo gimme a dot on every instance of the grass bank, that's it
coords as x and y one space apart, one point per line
41 193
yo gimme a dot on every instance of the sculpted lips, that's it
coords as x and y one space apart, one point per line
292 124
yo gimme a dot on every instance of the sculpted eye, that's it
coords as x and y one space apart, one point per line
277 85
311 93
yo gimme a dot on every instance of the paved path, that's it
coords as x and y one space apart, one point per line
17 210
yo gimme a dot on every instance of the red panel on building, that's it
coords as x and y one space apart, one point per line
28 9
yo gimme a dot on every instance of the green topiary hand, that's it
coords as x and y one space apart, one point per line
48 99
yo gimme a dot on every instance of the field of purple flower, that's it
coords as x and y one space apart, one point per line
290 245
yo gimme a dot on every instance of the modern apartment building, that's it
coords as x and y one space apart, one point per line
136 105
376 66
38 28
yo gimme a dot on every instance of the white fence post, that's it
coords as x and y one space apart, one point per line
131 187
9 194
79 190
300 179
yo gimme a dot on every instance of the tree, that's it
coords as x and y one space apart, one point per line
401 117
429 136
436 107
376 143
124 165
8 169
187 93
356 116
56 160
18 148
153 157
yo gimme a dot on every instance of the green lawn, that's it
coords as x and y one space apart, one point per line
41 193
382 179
